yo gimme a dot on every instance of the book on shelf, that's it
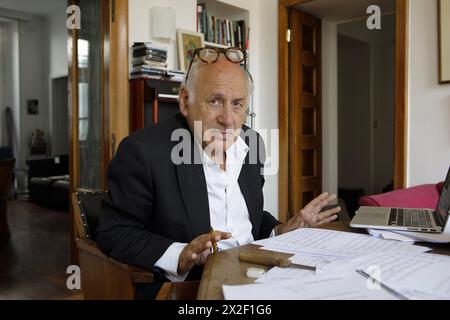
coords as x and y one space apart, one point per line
167 74
149 55
150 46
149 69
222 31
149 63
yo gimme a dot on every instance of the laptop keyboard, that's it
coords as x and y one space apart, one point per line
410 218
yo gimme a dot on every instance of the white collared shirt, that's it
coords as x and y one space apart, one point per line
227 208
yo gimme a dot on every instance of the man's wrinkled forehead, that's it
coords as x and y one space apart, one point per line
222 75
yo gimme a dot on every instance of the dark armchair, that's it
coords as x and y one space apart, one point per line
102 278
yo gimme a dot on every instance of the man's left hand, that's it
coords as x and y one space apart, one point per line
311 215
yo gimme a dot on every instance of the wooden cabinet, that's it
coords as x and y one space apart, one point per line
152 101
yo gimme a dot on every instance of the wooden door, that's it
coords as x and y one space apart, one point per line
305 136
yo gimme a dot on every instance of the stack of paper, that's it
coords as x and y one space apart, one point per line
348 266
414 275
313 247
390 235
346 286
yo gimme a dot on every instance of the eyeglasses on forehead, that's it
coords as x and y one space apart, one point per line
211 55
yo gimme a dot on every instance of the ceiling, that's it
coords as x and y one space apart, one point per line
342 10
40 7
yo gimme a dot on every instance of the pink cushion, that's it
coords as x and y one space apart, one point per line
423 196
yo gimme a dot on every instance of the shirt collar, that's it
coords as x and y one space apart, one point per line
236 153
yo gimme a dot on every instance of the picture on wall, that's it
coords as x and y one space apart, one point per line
32 106
444 40
188 41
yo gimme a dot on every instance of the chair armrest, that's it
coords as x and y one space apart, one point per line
186 290
138 275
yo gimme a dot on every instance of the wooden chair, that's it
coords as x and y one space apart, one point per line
186 290
102 278
6 168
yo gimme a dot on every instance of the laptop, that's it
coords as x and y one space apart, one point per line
404 219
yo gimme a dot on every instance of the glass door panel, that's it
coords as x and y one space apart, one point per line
89 71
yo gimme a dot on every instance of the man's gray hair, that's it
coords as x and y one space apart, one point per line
192 81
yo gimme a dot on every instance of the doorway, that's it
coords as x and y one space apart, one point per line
327 11
60 116
366 100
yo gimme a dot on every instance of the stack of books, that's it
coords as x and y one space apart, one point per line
176 75
148 60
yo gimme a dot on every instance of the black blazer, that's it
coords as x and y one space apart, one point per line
152 202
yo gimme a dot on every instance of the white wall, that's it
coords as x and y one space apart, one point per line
11 93
429 102
33 79
57 42
263 17
57 56
267 108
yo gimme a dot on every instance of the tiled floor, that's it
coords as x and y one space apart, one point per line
34 259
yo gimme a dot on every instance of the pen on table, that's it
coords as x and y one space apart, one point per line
395 293
214 244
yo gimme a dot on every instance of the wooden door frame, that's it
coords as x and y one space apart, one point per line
115 98
401 99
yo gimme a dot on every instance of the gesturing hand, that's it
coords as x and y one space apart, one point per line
310 216
195 252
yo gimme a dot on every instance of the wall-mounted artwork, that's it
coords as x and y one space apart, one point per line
444 40
188 41
32 106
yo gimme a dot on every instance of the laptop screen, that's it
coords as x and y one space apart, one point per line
443 205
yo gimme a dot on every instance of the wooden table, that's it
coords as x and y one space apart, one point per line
225 268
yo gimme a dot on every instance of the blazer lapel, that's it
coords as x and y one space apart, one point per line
247 184
192 182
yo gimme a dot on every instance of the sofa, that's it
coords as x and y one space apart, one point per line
48 182
422 196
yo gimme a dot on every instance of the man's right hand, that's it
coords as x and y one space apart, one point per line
193 253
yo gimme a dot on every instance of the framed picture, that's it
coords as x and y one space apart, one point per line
444 40
32 106
188 41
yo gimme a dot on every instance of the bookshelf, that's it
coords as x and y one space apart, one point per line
152 100
214 45
223 25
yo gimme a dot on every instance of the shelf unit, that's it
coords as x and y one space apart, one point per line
222 10
152 100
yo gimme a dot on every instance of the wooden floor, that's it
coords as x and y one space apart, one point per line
33 261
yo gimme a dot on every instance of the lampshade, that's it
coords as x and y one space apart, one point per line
163 22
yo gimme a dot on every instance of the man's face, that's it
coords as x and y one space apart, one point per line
220 102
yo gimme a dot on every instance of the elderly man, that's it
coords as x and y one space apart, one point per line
160 211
